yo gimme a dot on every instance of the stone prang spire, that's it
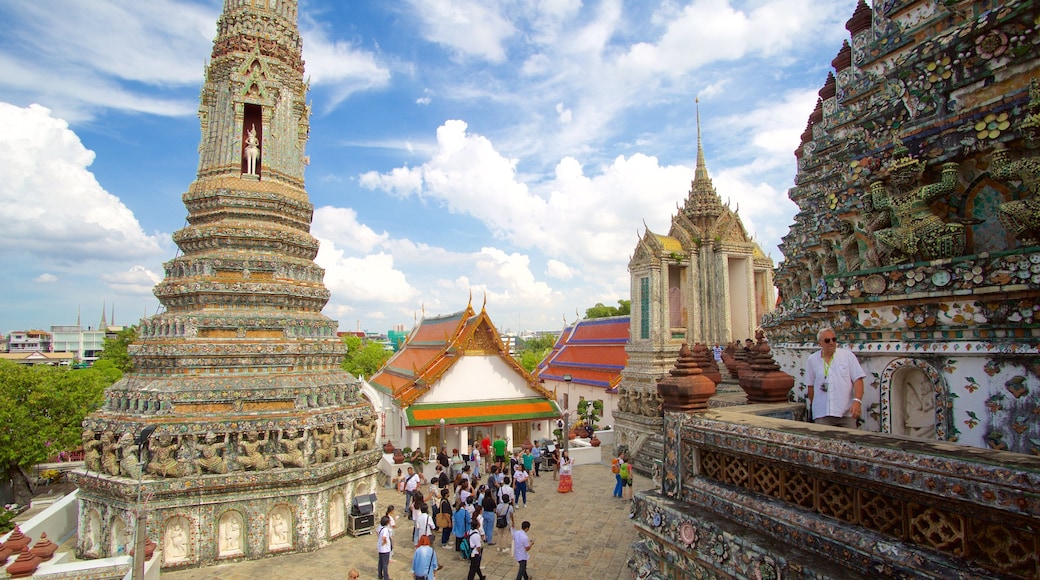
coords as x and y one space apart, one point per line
237 416
703 205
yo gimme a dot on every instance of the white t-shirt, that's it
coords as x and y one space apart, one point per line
412 482
520 545
838 376
383 541
474 540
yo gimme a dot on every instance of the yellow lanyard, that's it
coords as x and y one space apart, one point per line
826 368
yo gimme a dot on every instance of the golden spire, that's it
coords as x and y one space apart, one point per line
703 205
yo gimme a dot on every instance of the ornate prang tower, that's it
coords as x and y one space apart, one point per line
237 426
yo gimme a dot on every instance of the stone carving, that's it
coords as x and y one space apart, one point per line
229 542
110 453
323 439
175 541
1021 218
211 454
345 442
252 151
91 451
130 461
918 405
163 452
914 232
278 529
292 442
364 430
250 456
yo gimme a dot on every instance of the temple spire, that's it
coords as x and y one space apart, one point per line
701 172
703 205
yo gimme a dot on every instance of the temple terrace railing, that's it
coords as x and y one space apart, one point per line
865 501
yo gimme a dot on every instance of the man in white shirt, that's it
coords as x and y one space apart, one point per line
521 545
835 381
411 483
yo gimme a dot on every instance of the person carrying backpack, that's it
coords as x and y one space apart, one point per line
476 550
625 471
615 468
461 523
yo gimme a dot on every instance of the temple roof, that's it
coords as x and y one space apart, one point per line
592 352
434 346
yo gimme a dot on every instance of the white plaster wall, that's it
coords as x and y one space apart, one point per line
479 378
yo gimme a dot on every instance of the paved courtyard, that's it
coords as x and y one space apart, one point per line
583 534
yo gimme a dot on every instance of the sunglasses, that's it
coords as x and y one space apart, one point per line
829 340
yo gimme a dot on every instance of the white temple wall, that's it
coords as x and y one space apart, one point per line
478 378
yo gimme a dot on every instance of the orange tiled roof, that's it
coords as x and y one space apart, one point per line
592 352
434 346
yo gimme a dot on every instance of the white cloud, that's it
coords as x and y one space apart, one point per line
340 226
136 280
51 204
370 278
341 66
559 270
471 28
46 278
563 113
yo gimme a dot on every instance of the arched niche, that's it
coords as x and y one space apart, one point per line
337 515
914 400
176 540
231 534
280 528
117 541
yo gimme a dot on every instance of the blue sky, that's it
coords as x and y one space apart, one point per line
509 148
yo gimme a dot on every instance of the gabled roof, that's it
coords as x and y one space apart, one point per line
434 346
592 352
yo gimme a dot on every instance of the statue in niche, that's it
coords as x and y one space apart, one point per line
175 544
130 464
109 453
292 442
252 150
278 530
1021 218
230 534
93 543
91 451
211 456
918 406
914 232
163 450
250 456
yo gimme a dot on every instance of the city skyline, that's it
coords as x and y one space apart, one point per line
474 148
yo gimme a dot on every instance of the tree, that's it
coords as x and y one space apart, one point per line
115 349
534 350
41 414
364 357
623 308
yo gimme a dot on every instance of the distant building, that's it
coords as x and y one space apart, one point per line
455 367
20 341
587 361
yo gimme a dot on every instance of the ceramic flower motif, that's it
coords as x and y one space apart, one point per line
991 45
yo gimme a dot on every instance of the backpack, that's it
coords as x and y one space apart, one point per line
624 471
465 548
614 468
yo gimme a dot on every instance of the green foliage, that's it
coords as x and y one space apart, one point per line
115 351
590 412
42 409
7 520
363 357
534 350
623 308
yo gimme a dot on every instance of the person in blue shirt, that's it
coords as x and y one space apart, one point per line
424 563
460 525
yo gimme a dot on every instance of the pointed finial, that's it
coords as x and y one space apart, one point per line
702 168
484 305
470 303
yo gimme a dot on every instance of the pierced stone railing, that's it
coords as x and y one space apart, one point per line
812 497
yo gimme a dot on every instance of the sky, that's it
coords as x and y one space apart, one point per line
509 150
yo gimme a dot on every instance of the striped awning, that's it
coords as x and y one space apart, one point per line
481 412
